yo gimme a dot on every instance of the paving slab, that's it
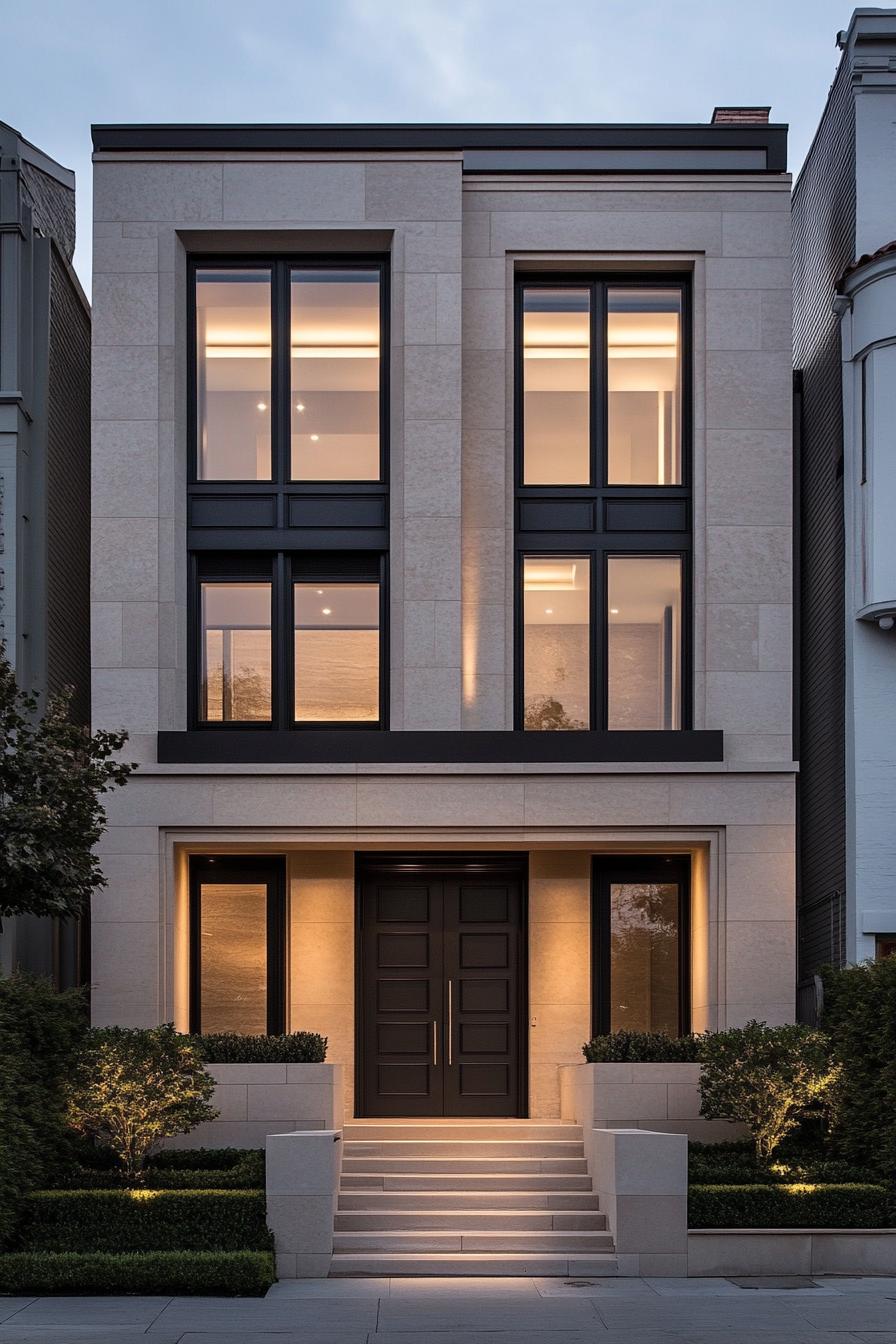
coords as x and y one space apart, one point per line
483 1313
241 1315
343 1290
848 1311
746 1311
107 1313
583 1287
10 1333
10 1306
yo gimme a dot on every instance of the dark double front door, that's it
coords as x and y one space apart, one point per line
441 1009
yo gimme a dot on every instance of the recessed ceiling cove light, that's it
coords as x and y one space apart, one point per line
327 611
262 406
315 438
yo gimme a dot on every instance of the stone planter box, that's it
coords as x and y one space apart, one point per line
661 1097
716 1252
256 1100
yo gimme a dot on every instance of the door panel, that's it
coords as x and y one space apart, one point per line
441 982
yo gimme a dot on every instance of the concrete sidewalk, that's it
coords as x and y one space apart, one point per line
479 1311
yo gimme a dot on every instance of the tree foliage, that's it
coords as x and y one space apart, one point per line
52 773
860 1017
137 1086
765 1077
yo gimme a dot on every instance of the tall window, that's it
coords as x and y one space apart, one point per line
237 945
288 497
603 504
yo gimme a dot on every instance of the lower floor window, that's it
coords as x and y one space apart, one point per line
640 979
337 652
237 945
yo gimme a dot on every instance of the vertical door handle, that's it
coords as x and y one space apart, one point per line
435 1045
450 1024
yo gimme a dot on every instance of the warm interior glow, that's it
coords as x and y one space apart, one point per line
337 653
556 643
644 642
343 351
233 957
549 577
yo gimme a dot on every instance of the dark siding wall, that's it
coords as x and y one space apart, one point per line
68 491
823 244
53 206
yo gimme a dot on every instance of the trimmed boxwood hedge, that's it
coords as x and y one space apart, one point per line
295 1047
144 1220
737 1164
770 1206
195 1273
180 1169
642 1047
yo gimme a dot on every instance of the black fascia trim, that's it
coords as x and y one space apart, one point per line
444 137
341 746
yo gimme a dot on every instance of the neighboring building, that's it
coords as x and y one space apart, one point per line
413 447
44 471
844 208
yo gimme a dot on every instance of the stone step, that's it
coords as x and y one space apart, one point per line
412 1165
367 1131
440 1265
543 1242
476 1149
466 1181
465 1221
453 1198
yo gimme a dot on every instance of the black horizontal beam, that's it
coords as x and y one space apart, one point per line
341 746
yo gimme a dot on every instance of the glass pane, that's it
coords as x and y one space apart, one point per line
233 375
556 652
556 386
233 957
337 652
644 386
644 957
644 641
236 652
335 402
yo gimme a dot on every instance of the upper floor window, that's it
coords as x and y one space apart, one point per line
603 534
288 372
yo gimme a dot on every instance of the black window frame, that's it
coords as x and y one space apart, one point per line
587 520
232 868
272 530
657 868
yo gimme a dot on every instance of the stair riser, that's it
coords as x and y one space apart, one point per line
465 1183
477 1150
481 1266
400 1200
423 1166
470 1220
535 1243
356 1132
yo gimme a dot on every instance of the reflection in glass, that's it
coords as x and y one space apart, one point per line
233 957
556 655
644 386
236 652
337 652
644 641
644 957
335 370
233 375
556 386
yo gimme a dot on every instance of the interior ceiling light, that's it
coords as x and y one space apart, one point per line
300 405
315 438
327 611
227 351
262 405
614 611
550 578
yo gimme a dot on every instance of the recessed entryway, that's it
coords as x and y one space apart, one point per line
441 1002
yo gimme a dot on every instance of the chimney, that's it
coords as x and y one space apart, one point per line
740 116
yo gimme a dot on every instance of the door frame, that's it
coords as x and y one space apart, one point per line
606 868
449 865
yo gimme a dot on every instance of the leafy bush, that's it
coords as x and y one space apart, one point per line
144 1220
860 1017
295 1047
202 1273
137 1086
201 1169
40 1030
766 1077
642 1047
790 1206
737 1164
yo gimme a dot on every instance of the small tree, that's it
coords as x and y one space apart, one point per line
52 772
137 1086
765 1077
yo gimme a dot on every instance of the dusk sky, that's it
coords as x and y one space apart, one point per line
73 62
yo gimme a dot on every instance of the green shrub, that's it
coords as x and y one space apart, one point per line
295 1047
136 1086
790 1206
197 1169
40 1030
860 1017
737 1164
642 1047
766 1077
144 1220
222 1273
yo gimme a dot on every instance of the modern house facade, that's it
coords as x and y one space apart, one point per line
44 474
442 577
844 212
